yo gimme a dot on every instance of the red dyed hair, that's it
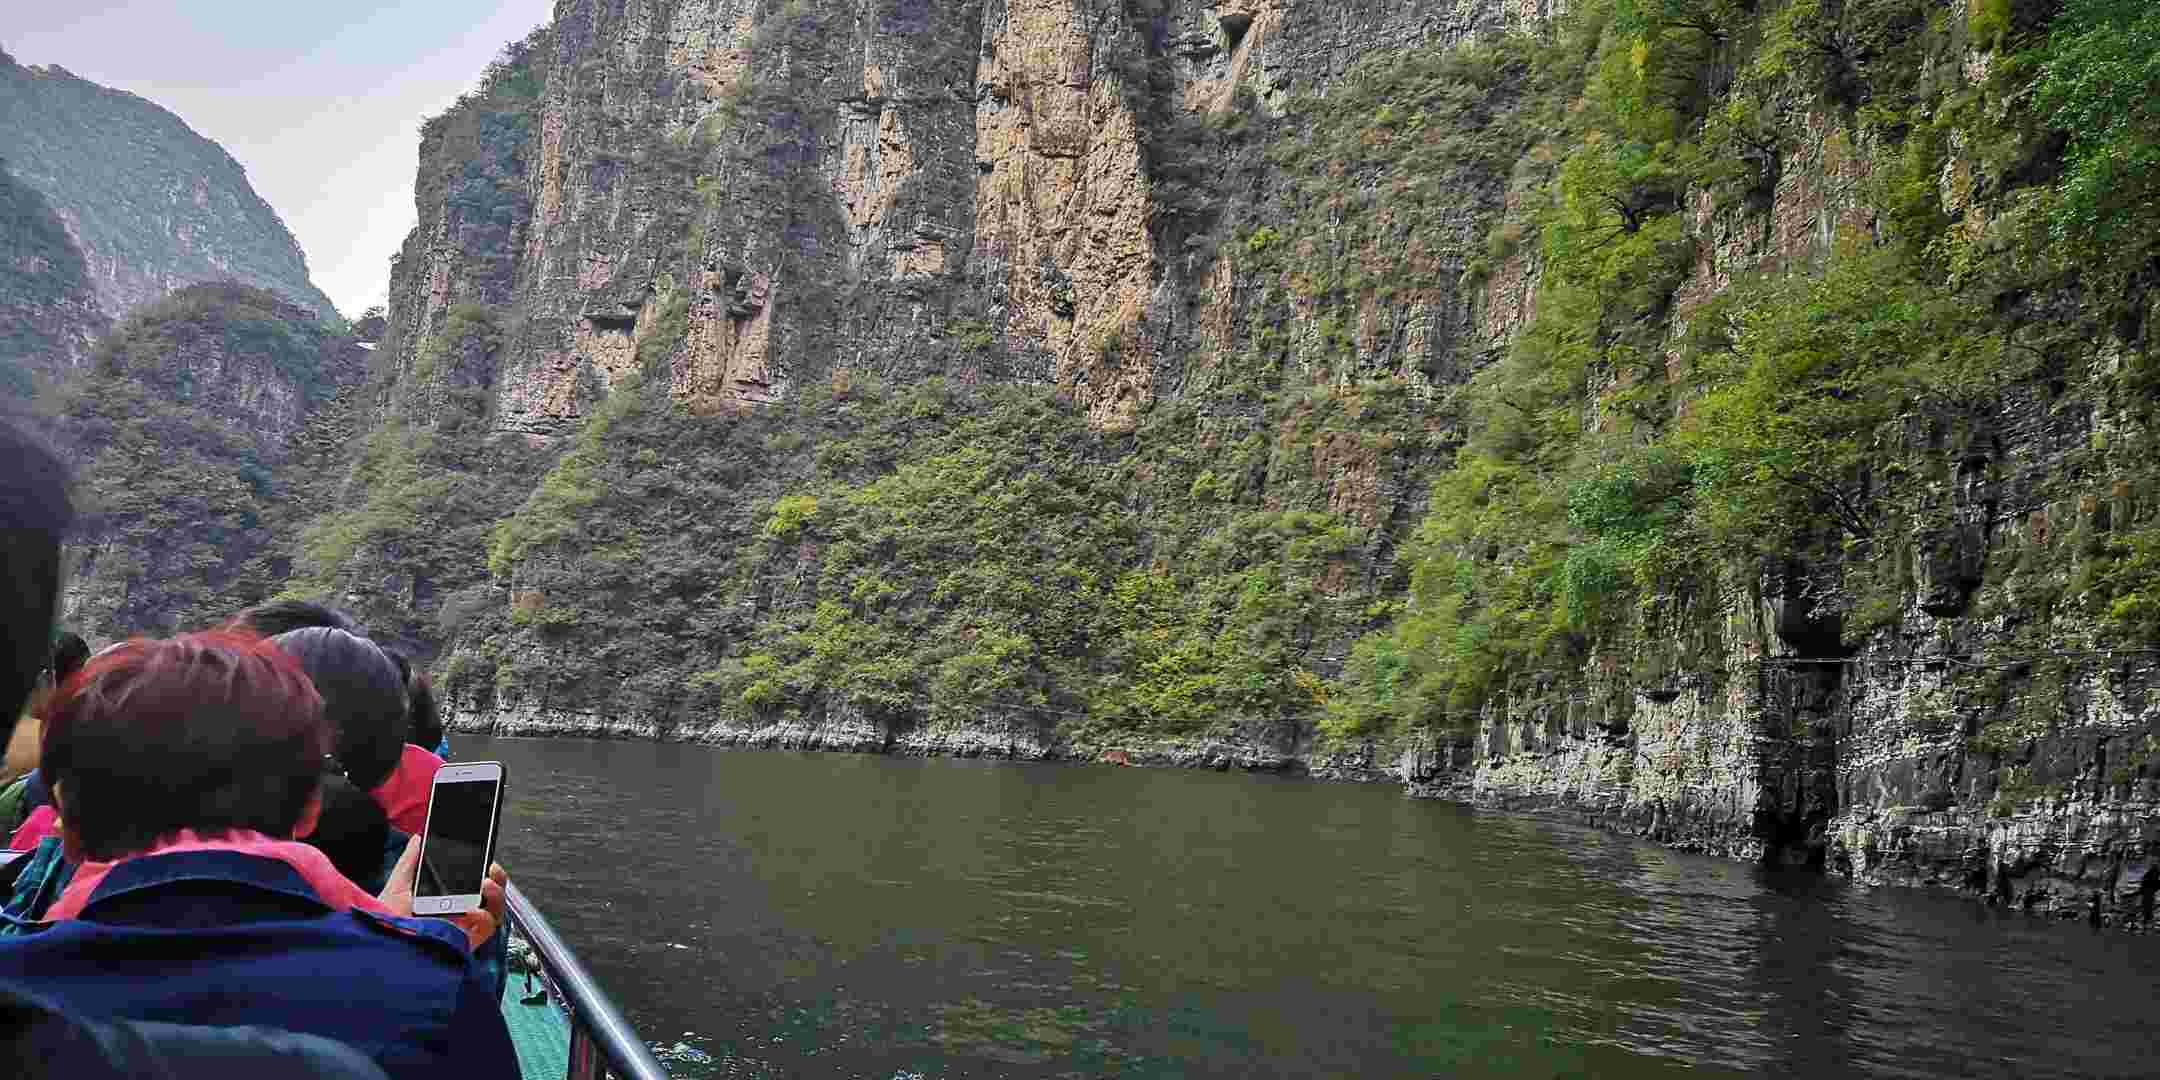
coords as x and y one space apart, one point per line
212 731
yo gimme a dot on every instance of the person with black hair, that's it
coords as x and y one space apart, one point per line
423 719
366 698
185 772
273 617
34 515
427 723
353 831
25 794
364 703
363 697
45 1038
69 654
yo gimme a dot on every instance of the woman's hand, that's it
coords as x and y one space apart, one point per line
479 924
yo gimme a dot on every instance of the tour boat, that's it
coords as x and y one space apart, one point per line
564 1025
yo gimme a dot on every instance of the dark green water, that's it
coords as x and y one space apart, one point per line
834 915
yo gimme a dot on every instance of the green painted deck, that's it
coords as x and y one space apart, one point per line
540 1031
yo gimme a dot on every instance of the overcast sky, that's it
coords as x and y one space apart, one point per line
320 101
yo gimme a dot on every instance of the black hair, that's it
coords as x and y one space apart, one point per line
68 656
34 515
424 719
423 723
352 831
363 698
275 617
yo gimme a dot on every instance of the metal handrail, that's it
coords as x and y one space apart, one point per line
594 1021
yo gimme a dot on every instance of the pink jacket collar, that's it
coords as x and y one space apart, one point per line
314 867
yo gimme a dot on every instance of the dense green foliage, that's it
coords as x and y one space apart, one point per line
1797 266
2100 83
144 191
190 488
916 554
1633 463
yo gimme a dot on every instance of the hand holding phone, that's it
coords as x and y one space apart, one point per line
458 842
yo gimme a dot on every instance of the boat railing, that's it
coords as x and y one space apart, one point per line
602 1043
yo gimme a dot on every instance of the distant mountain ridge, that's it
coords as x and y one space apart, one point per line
151 205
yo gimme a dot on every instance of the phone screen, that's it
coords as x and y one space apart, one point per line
454 853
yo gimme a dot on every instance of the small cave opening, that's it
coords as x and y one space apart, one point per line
618 324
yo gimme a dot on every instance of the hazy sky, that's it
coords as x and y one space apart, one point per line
320 101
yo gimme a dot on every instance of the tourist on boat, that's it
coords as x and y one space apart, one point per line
26 791
70 653
364 705
44 1041
42 1038
183 771
274 617
425 716
404 796
363 698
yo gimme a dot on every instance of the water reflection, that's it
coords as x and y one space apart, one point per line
857 916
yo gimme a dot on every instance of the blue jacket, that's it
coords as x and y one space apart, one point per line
225 938
47 1041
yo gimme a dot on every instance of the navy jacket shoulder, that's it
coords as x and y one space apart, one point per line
44 1040
224 938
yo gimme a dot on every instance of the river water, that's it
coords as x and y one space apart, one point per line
833 915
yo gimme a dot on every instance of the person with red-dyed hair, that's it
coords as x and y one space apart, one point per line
184 771
42 1039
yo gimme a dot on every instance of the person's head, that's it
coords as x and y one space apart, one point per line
423 723
425 728
69 654
351 830
363 698
214 732
274 617
34 516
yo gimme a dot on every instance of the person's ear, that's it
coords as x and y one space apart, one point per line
70 838
310 816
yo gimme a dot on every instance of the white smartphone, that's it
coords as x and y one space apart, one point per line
458 842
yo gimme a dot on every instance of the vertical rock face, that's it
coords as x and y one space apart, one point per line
819 186
49 314
1199 295
151 205
1989 733
744 207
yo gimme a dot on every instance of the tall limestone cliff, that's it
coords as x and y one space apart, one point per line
1729 422
724 204
150 205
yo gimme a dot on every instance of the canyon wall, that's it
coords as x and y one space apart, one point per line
201 429
1407 390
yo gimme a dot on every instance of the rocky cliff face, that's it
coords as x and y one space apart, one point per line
201 429
1012 191
1680 415
731 206
1952 692
49 315
150 205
